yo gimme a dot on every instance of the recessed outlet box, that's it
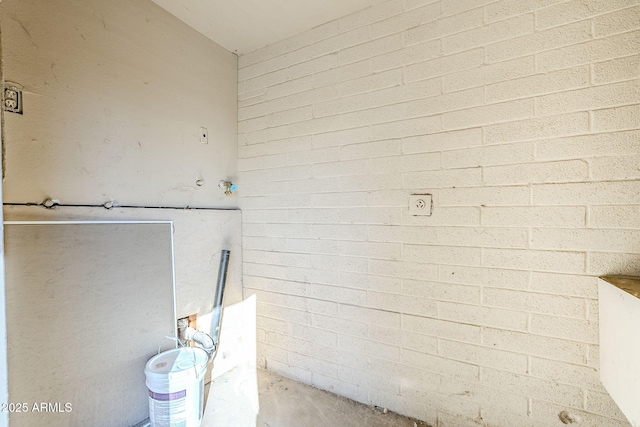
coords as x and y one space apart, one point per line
420 204
12 99
204 136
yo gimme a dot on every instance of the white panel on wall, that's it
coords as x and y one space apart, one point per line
619 313
87 305
199 236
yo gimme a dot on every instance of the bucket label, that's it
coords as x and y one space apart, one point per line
168 396
168 409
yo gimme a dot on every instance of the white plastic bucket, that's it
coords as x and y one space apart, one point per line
175 379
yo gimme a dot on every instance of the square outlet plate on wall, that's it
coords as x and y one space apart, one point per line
420 204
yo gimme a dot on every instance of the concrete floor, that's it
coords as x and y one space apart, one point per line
287 403
245 397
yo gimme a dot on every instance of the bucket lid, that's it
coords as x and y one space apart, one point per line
177 361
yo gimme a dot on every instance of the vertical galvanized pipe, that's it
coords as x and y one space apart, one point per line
217 306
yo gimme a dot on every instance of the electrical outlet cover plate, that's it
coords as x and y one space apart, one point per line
12 99
420 204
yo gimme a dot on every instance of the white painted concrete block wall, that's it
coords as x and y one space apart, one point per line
522 118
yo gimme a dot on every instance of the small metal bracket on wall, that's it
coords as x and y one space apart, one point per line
50 203
12 98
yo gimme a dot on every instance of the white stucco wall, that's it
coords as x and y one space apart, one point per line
115 94
4 386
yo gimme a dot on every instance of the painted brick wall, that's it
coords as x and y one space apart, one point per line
522 118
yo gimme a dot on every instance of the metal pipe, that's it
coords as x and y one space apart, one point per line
217 306
216 317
